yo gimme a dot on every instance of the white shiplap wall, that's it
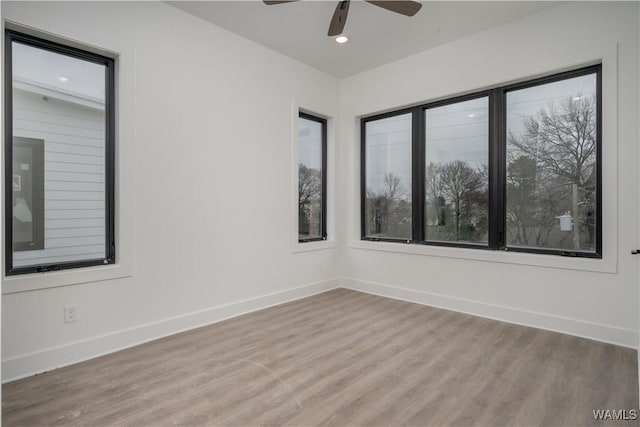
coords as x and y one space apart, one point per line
74 188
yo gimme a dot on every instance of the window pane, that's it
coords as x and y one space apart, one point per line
58 165
456 175
551 165
309 179
388 177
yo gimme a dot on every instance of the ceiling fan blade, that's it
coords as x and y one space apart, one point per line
408 8
271 2
339 18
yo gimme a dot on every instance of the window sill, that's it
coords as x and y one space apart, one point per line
314 246
52 279
605 265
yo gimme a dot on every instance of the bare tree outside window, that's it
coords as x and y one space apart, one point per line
464 190
551 165
309 199
388 178
456 181
310 179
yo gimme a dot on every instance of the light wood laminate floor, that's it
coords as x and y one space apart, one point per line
335 359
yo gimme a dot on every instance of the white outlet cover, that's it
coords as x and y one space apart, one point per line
70 313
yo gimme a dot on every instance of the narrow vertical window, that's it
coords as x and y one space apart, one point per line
312 179
552 167
457 172
59 152
387 195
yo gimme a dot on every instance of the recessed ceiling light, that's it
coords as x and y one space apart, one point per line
342 39
63 79
472 115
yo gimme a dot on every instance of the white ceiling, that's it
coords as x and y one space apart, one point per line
376 36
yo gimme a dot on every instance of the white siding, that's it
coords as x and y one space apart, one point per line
74 187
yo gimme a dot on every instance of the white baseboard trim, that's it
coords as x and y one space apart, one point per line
68 354
580 328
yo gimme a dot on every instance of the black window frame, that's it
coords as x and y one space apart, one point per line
415 130
497 97
422 164
323 181
110 113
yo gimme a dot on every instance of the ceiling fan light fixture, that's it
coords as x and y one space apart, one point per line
339 18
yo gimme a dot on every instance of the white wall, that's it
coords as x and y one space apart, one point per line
208 125
593 298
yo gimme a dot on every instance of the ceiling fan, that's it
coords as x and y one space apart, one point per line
407 8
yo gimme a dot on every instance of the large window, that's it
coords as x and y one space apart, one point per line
512 168
312 178
59 156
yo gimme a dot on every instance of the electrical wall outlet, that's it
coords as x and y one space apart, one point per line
70 313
